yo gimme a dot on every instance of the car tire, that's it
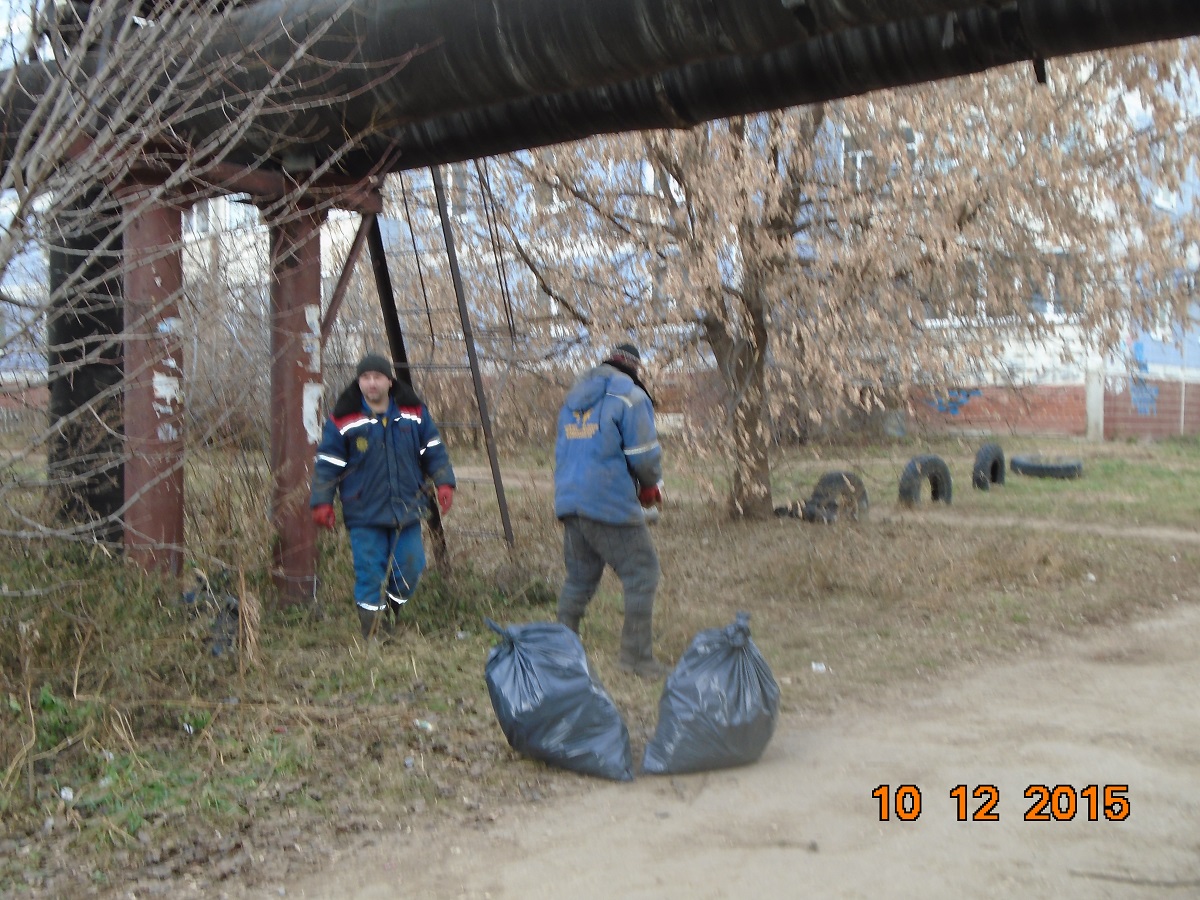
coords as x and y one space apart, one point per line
1044 467
989 467
837 495
921 469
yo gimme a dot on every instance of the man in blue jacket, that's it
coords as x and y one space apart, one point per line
608 469
377 450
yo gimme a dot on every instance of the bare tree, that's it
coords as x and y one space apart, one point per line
97 99
829 257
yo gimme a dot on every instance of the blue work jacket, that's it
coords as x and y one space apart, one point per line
378 463
606 450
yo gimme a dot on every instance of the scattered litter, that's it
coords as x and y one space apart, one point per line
423 724
1090 578
67 793
819 667
211 598
409 762
462 635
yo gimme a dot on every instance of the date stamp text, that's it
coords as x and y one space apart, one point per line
981 802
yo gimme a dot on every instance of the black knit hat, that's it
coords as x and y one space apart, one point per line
626 354
375 362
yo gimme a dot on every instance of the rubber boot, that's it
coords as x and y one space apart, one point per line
372 622
391 620
637 654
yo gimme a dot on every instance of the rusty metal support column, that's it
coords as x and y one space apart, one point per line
153 382
295 395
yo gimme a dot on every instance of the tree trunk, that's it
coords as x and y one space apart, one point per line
750 492
742 363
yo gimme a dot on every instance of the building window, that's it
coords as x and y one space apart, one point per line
859 164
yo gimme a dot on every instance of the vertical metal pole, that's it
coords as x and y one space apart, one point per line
387 299
295 396
153 383
439 191
1183 379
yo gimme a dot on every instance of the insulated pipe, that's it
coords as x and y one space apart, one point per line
826 16
387 62
838 64
843 64
491 60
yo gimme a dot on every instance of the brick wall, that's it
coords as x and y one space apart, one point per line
1050 410
1150 408
22 407
1133 408
19 397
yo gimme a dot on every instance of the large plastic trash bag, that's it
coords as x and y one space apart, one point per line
549 705
718 708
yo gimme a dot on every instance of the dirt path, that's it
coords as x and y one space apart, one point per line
1118 708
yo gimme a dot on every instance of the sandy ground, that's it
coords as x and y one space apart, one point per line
1118 708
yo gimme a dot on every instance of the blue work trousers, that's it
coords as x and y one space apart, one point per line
388 563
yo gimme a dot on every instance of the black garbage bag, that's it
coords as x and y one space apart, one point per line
549 705
718 708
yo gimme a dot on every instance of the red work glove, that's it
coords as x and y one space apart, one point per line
650 496
323 516
445 494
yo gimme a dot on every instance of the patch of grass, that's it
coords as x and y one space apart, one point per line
1121 483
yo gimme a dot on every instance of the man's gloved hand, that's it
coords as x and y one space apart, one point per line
651 496
323 516
445 497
